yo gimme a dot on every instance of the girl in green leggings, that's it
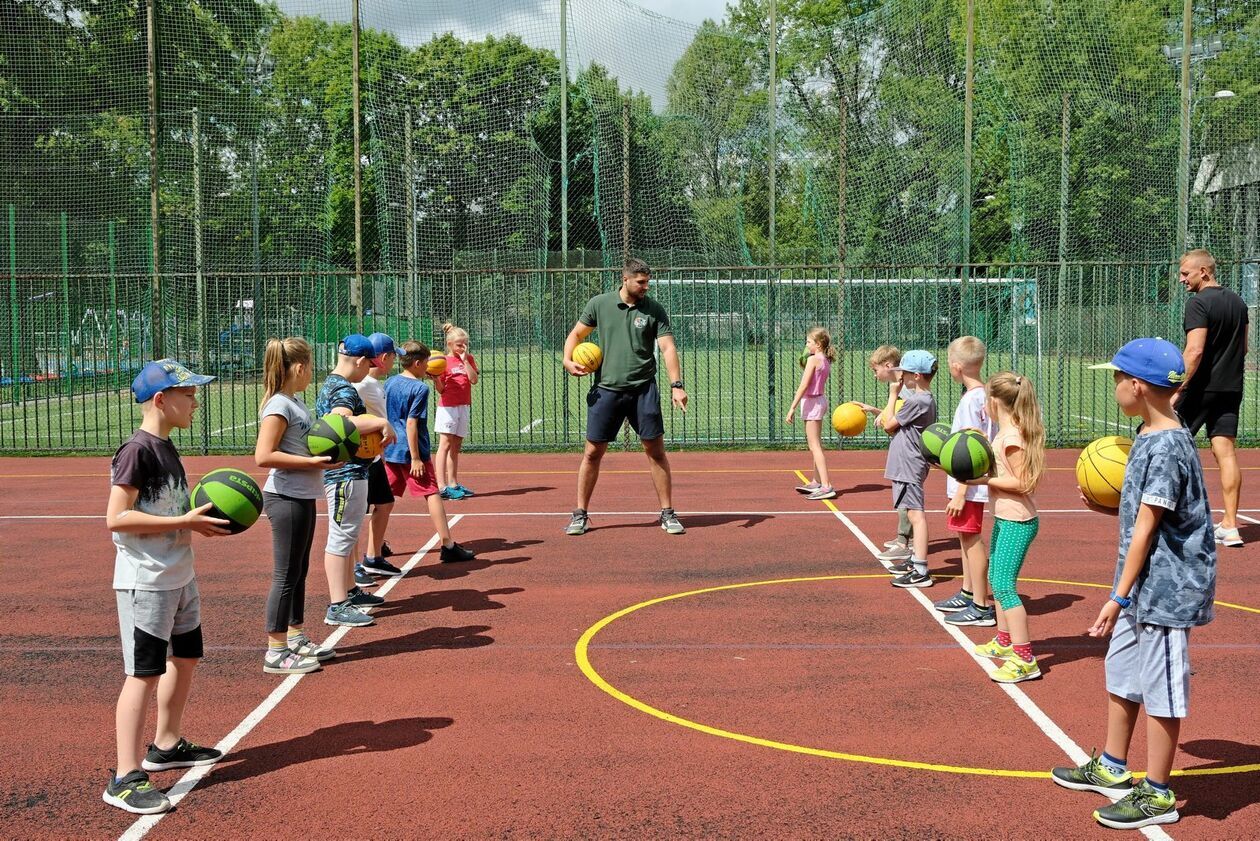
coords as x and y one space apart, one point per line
1019 450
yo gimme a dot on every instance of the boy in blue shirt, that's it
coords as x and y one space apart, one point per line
1165 583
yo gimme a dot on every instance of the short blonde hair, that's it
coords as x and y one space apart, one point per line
967 351
884 354
1201 257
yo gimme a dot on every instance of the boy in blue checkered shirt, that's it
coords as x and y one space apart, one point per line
1165 583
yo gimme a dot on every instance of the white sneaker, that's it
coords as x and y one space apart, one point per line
1227 537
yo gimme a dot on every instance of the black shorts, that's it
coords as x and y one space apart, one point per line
606 410
1217 410
378 484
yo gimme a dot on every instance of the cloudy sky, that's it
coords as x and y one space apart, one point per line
638 42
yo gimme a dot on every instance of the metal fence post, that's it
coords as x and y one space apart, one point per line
356 286
155 209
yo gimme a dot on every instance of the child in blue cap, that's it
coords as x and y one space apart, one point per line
1164 585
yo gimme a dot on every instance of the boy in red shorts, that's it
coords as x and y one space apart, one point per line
407 459
965 510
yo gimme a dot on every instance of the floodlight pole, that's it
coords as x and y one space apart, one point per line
772 150
842 233
1183 150
625 179
155 205
564 132
1061 295
356 285
968 125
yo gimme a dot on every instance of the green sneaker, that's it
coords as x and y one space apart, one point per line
1093 776
1142 806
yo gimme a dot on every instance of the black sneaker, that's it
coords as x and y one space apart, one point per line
913 579
901 568
184 755
385 550
362 578
579 524
455 554
358 598
136 794
380 566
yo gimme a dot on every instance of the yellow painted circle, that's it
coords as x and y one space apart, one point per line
584 663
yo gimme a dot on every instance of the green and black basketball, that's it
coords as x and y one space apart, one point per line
966 455
335 436
934 438
234 494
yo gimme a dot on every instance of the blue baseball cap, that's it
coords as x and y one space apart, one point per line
356 344
917 362
161 375
382 343
1155 361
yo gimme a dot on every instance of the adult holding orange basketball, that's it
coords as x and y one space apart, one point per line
631 327
1211 395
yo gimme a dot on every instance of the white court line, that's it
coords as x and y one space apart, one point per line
1021 699
187 782
527 427
1114 423
230 428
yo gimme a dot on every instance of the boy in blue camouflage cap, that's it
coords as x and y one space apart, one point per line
1164 585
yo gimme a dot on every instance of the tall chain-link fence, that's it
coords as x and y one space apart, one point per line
191 186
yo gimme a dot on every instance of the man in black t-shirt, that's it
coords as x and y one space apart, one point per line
1211 395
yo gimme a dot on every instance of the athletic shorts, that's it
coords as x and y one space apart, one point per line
1217 410
149 620
347 507
452 420
907 495
1150 665
607 410
401 481
378 492
813 408
969 520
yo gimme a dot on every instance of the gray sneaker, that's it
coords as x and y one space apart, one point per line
136 794
823 493
973 615
344 614
895 553
307 647
579 523
953 604
669 522
288 662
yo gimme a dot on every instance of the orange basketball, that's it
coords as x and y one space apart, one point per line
848 419
588 355
437 366
371 444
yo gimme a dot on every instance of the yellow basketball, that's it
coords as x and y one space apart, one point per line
588 355
848 419
1100 470
901 401
437 366
371 444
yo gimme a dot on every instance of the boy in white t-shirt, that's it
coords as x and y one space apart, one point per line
380 498
965 510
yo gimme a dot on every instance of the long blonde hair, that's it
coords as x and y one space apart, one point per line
1017 395
453 334
823 339
282 354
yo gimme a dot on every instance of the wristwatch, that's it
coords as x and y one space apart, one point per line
676 384
1123 601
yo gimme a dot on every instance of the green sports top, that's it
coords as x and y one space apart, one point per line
627 336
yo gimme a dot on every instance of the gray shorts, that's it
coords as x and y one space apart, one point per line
907 496
1150 665
347 508
149 620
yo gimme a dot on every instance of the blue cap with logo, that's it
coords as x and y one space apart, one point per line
1155 361
382 343
161 375
917 362
356 344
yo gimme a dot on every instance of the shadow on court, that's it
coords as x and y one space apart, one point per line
691 521
1218 797
456 600
1050 603
1056 651
429 639
860 489
349 739
513 491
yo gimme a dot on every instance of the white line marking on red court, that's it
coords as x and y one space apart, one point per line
187 782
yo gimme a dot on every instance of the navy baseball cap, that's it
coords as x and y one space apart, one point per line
917 362
1155 361
161 375
382 343
356 344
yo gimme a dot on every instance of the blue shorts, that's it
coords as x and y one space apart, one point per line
1150 665
606 410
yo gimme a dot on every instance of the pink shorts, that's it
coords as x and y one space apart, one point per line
400 479
814 408
969 520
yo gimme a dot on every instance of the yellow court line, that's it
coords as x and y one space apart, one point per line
581 655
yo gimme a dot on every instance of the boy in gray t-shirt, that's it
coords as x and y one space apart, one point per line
907 467
1164 584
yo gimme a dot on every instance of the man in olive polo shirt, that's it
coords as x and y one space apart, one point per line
631 326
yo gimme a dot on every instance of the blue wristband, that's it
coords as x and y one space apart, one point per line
1123 601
